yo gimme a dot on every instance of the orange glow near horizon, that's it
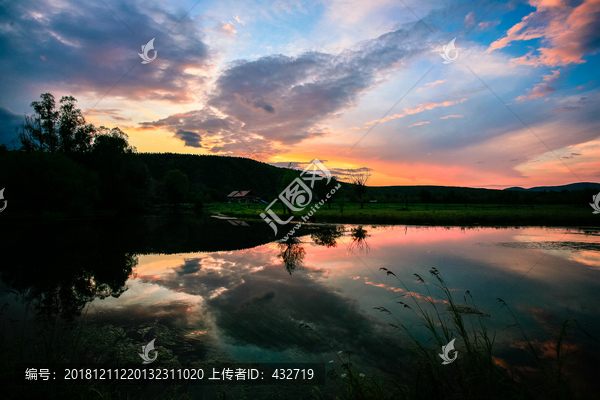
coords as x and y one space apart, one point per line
547 169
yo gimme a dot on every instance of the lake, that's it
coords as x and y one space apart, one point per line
226 290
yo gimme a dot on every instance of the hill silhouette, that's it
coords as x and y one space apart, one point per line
571 186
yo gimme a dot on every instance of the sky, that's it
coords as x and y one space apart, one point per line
356 84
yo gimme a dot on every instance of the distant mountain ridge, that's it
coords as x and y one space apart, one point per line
216 176
570 186
225 174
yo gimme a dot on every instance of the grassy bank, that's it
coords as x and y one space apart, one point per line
429 214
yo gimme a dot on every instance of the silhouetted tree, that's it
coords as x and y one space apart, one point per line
123 177
39 132
75 135
359 180
54 130
111 143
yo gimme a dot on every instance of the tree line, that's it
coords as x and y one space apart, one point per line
66 165
62 164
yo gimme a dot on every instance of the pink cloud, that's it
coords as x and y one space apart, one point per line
452 116
431 84
420 108
469 19
569 33
514 34
543 4
228 29
383 285
419 124
487 25
541 89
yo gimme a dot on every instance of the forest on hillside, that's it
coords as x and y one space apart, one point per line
64 165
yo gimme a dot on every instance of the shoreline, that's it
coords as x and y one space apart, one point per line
540 215
380 214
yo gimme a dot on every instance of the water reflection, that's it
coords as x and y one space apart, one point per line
243 305
59 267
359 239
327 235
60 272
292 253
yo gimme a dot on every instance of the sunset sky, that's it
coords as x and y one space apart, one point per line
354 83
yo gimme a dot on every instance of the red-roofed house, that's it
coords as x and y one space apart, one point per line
241 196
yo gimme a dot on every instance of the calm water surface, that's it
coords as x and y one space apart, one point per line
232 293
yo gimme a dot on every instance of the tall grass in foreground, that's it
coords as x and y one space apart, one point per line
473 375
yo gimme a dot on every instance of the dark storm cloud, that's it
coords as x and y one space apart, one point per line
232 137
191 139
84 48
255 104
286 99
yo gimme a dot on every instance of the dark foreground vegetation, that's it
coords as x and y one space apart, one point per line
63 166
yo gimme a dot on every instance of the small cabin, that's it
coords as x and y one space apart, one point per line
242 196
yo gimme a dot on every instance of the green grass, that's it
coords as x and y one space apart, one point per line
428 214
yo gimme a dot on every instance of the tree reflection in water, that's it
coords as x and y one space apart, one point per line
359 239
292 253
57 269
59 266
327 235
